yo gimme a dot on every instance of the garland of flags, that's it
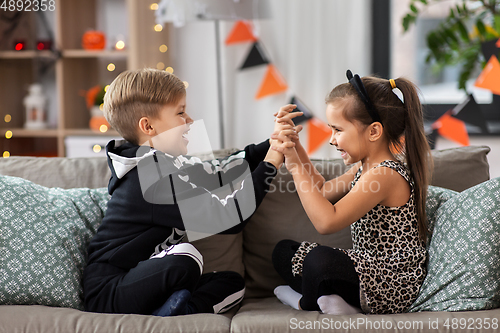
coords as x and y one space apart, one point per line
274 83
451 125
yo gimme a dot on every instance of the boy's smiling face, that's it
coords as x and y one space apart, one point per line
170 128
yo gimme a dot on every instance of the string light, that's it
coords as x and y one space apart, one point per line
163 48
97 148
154 6
111 67
186 84
103 128
169 69
158 27
160 65
120 45
8 134
106 88
101 107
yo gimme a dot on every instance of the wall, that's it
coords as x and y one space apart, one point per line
311 43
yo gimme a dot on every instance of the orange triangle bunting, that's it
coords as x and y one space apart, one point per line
452 128
242 32
318 133
490 76
498 43
273 83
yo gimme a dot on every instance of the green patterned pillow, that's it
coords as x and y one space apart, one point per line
464 253
436 197
44 234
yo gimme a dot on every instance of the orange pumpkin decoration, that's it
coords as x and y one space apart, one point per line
96 122
93 40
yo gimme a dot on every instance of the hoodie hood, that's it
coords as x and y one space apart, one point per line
123 157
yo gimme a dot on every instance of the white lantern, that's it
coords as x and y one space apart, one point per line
34 102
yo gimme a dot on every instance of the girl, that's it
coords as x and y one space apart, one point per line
382 197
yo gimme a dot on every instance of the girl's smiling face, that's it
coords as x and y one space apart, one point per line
348 137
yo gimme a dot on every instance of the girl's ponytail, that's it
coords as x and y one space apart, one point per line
417 150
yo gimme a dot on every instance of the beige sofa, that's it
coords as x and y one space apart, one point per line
249 253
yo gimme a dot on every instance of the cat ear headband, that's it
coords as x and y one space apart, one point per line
356 82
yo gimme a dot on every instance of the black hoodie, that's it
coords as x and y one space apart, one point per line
141 221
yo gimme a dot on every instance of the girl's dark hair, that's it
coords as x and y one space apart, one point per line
403 126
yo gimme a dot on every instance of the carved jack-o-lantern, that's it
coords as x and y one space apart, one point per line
93 40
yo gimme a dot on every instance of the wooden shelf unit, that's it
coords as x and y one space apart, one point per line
76 70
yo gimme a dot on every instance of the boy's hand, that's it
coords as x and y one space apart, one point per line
287 148
282 142
286 134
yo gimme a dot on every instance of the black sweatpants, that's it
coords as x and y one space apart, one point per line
147 286
325 271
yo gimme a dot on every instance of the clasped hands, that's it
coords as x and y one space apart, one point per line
285 138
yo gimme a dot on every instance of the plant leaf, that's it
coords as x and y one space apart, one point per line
463 31
496 23
471 56
481 28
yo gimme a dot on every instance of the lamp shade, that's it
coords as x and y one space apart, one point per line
179 12
231 10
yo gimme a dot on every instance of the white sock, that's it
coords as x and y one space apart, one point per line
334 304
288 296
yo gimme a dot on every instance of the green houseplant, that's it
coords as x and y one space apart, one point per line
458 38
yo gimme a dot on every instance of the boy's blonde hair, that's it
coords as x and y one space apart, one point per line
139 93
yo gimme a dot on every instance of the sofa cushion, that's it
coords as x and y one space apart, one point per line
270 315
44 319
281 216
222 253
464 253
44 234
460 168
436 197
91 172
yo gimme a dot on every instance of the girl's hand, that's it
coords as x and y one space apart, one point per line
284 110
284 116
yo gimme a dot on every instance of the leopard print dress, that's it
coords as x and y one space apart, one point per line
388 254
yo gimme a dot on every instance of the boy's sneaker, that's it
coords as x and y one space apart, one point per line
175 305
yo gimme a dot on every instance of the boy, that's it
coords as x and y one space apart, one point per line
137 262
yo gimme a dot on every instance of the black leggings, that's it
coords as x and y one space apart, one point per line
326 271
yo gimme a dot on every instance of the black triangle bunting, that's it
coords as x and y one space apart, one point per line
256 57
469 111
490 48
301 108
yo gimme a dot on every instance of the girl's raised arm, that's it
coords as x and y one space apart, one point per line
335 189
371 189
